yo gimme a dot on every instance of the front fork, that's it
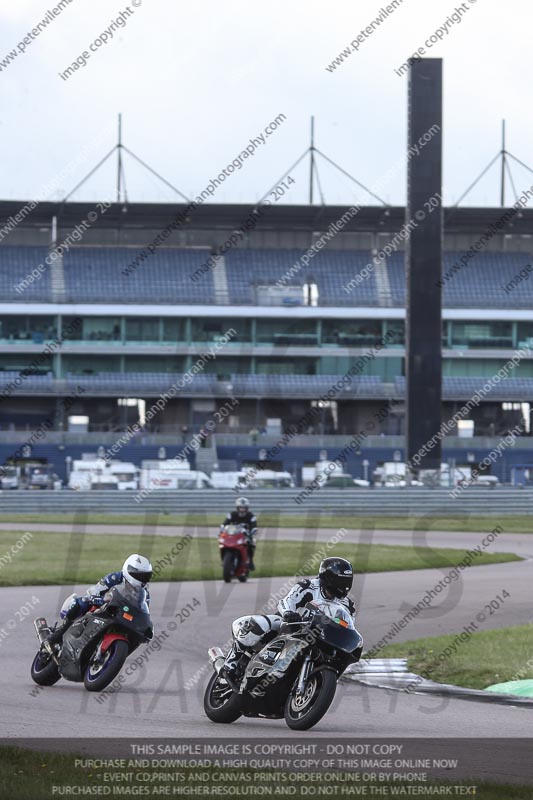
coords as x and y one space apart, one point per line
304 674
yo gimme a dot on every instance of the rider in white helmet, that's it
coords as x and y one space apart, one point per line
136 570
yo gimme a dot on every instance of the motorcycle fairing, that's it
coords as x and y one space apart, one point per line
78 641
270 675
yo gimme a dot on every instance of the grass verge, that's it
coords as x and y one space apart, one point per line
486 657
27 775
59 558
470 523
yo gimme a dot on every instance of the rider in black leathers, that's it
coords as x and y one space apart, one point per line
243 516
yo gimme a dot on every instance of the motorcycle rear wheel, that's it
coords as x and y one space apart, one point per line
227 567
302 713
44 670
221 704
98 677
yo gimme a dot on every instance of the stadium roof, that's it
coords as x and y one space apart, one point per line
211 216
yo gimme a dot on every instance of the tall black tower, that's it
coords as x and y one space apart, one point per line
423 262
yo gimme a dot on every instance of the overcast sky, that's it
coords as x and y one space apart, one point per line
196 81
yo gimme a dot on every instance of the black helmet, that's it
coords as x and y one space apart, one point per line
242 505
336 576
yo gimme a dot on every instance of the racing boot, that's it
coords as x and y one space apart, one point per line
56 637
234 665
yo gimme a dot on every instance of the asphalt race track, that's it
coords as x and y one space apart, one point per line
163 697
155 695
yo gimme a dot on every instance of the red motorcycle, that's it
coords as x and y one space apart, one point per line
233 545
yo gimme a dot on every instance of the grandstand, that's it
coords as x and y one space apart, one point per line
144 322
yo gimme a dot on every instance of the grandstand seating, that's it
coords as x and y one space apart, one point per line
15 264
330 270
479 284
28 383
152 384
95 274
460 388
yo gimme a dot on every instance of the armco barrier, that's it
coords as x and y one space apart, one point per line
365 502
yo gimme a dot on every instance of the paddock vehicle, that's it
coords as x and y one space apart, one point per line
97 644
294 676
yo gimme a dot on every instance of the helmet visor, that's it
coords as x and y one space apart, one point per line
143 576
337 585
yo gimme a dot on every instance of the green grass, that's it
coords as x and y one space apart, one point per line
510 523
59 558
27 775
487 657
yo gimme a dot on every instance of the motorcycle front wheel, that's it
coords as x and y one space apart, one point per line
227 566
305 710
98 676
221 704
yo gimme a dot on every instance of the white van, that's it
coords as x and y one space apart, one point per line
166 475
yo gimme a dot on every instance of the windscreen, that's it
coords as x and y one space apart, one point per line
341 637
133 595
232 529
335 611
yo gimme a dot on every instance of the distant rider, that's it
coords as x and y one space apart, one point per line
328 590
136 570
243 516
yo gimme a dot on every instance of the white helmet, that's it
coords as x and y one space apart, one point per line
137 570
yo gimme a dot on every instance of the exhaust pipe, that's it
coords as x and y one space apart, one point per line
41 628
217 658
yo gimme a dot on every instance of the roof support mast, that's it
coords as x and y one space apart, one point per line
504 153
312 162
119 160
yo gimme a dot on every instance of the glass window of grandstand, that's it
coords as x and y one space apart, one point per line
173 330
92 329
482 334
89 365
213 330
273 366
37 363
524 334
287 332
351 333
142 329
224 367
27 329
394 333
169 364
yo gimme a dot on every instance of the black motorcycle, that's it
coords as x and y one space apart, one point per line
97 644
293 676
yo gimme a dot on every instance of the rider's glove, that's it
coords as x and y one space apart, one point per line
97 600
291 616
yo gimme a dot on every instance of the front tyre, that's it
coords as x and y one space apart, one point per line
304 711
227 566
98 676
221 704
44 670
